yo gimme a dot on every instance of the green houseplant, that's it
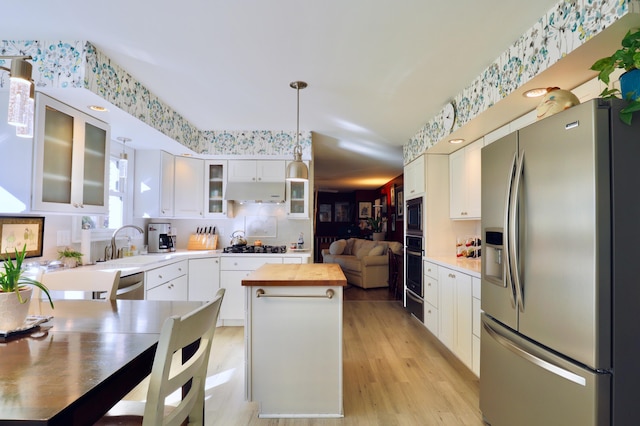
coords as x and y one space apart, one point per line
70 257
15 291
627 58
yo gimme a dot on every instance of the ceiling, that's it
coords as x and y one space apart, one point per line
377 70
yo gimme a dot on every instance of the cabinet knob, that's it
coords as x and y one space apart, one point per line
160 276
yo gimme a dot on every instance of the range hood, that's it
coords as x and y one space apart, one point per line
265 192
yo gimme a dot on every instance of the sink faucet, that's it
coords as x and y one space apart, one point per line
114 249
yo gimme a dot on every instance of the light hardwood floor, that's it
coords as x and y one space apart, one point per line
395 373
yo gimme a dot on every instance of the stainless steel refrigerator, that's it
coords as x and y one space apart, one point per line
560 342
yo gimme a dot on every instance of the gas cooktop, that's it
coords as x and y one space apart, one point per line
255 249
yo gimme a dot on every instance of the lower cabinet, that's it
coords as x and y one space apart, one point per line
204 278
475 339
455 308
430 280
232 271
169 282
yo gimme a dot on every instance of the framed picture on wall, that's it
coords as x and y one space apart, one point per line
18 232
342 211
364 209
392 195
400 203
324 213
383 201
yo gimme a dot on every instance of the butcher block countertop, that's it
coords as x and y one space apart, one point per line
306 274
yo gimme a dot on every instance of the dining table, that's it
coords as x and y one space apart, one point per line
73 368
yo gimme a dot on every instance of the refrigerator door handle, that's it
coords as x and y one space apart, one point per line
522 353
507 208
513 228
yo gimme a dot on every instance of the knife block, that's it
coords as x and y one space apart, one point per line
202 242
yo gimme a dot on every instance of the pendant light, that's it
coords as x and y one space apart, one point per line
123 161
19 89
297 170
27 131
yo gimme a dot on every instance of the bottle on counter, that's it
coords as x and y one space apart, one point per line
300 241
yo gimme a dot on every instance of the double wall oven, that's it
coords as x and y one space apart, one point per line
414 250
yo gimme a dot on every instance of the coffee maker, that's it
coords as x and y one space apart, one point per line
160 238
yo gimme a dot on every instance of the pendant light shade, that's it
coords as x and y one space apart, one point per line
27 131
297 170
123 161
19 90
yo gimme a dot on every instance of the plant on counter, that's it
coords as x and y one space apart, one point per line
628 59
13 281
70 254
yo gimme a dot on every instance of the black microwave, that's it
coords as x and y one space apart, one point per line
413 216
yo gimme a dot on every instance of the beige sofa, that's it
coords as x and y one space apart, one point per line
365 263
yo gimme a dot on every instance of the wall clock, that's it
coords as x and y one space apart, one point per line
449 116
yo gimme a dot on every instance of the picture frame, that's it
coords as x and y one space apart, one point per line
341 213
392 195
393 222
383 201
364 209
377 207
18 231
400 203
324 213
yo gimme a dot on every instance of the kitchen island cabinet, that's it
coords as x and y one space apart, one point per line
293 340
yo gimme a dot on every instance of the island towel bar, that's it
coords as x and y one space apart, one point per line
328 294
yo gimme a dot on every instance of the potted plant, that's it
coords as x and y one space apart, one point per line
16 291
375 224
70 257
627 58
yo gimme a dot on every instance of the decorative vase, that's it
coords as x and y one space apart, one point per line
378 236
630 84
13 313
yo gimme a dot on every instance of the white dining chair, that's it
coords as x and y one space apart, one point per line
169 374
81 280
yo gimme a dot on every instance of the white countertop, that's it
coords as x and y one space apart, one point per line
461 264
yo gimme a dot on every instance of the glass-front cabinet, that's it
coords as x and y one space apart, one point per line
71 160
215 187
297 199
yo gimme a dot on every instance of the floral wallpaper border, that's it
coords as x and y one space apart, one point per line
80 65
562 29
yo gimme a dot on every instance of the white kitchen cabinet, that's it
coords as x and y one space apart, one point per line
431 313
476 323
233 269
169 282
256 171
297 199
465 182
71 160
215 188
153 190
414 178
204 278
188 185
455 309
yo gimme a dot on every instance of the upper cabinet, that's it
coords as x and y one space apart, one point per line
71 160
414 178
154 176
188 186
464 181
215 172
256 170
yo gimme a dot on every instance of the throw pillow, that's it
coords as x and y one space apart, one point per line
337 247
349 248
364 251
376 251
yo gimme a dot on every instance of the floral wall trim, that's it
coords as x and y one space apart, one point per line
561 30
80 65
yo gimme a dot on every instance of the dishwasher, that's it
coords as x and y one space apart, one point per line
131 287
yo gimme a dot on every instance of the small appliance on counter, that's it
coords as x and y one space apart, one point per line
160 238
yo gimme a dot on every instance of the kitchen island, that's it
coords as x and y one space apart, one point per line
293 335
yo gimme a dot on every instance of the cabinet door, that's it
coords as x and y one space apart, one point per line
153 190
166 178
473 164
457 185
463 319
233 306
297 200
71 164
414 183
204 278
242 171
270 170
446 307
215 188
188 187
464 182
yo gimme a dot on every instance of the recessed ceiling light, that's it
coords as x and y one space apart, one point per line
535 93
98 108
456 141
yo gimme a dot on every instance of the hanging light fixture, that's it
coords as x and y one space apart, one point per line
297 170
27 131
19 89
123 161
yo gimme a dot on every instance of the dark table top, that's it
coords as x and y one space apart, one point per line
75 367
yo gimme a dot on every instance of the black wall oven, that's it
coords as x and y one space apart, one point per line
413 263
413 216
